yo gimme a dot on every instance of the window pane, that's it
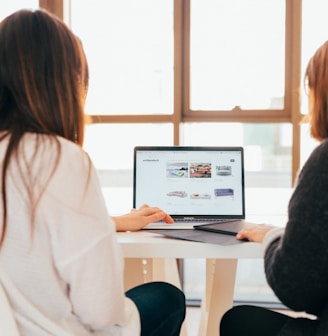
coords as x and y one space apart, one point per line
267 148
237 54
110 147
314 34
129 46
8 7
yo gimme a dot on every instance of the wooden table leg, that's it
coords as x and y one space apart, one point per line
139 271
218 296
133 273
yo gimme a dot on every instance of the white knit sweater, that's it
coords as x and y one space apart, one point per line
64 276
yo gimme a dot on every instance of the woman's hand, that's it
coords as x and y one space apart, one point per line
139 218
254 233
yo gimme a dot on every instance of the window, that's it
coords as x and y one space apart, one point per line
129 45
237 54
7 7
267 148
313 35
139 56
111 148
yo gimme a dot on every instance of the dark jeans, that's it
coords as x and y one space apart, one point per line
251 321
161 306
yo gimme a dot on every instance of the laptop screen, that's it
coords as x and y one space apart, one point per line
190 181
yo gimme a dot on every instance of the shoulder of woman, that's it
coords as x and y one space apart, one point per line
41 144
73 158
315 165
46 154
321 149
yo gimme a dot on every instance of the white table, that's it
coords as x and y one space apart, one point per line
151 257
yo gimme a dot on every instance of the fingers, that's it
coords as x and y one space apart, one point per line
168 219
161 215
241 235
245 233
254 233
155 214
144 206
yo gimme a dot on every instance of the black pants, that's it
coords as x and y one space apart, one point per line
161 306
251 321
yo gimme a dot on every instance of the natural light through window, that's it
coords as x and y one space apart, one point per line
130 47
237 54
10 6
314 33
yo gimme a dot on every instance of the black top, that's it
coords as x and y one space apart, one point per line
296 265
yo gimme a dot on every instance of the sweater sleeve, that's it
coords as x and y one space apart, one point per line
296 265
271 236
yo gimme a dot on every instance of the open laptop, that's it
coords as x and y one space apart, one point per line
196 185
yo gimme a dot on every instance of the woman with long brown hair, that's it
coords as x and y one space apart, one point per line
60 263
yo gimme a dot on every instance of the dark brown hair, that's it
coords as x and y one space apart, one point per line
316 78
43 83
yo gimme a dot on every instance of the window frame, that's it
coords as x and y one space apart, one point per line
291 113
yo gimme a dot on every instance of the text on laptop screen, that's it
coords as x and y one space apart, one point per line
190 180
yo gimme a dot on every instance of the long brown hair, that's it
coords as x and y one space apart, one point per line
316 78
43 83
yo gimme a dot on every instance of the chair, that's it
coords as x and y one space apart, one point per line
8 326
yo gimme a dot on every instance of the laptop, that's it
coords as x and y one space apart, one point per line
196 185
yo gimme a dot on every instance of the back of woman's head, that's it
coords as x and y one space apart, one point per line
316 77
43 83
43 77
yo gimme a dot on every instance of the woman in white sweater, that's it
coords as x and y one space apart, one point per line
60 263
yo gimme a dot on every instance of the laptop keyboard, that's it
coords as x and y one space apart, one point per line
202 220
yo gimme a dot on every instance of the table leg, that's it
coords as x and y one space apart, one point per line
218 296
139 271
133 272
